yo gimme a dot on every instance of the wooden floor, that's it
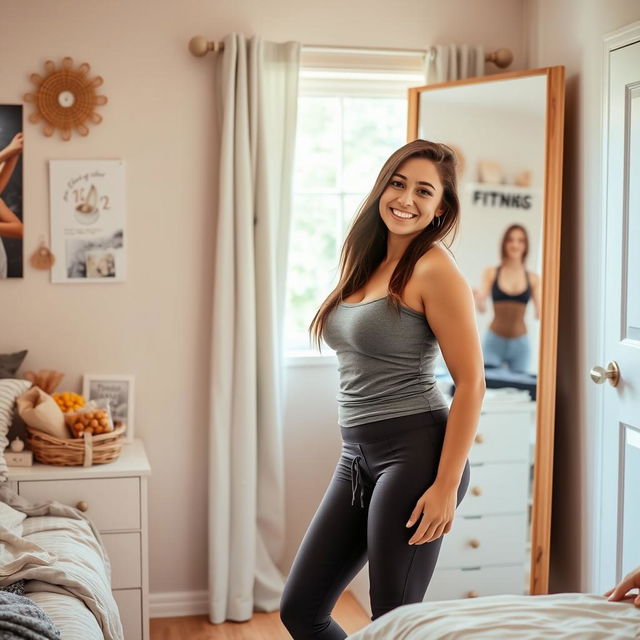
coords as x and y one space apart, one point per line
263 626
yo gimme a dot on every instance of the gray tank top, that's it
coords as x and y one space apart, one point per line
385 361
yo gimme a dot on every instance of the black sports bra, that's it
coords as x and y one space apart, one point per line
497 294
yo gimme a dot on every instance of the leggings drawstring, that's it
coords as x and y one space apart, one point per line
356 480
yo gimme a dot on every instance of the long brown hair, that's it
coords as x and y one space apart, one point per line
505 238
366 243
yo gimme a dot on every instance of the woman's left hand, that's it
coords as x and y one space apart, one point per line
437 506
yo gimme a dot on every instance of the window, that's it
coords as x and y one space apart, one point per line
348 124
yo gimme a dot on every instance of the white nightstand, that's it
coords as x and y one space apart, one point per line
114 496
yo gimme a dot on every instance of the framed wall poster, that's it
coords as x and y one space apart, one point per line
119 389
11 212
87 220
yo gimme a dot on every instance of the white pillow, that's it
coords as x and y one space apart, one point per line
10 517
10 389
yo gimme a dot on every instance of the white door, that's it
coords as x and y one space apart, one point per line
618 546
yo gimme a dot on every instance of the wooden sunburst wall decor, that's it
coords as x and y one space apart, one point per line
65 98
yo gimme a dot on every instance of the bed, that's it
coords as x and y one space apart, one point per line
565 616
58 553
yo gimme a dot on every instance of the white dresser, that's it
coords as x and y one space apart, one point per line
114 497
487 551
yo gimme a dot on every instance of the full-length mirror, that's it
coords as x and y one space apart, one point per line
506 131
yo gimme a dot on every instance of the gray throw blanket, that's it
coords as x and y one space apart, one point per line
15 587
22 619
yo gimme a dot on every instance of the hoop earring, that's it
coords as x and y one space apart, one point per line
436 222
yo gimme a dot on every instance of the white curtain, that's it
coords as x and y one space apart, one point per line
446 62
257 85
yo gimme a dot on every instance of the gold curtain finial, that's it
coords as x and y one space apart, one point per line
502 58
200 46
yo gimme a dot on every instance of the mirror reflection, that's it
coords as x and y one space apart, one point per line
497 129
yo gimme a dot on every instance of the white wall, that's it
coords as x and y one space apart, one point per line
155 326
570 33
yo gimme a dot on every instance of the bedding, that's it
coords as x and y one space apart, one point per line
61 557
564 616
23 619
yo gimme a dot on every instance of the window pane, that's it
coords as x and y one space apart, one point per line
373 129
313 262
341 144
317 143
351 204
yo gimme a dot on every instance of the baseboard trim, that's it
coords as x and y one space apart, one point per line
178 603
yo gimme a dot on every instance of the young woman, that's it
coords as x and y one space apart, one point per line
511 287
403 468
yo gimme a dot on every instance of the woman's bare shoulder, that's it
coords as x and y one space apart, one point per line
437 271
440 282
438 259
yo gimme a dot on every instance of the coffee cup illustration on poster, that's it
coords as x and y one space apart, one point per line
87 220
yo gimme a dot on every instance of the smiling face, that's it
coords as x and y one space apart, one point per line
412 198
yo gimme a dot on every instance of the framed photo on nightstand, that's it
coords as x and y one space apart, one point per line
119 389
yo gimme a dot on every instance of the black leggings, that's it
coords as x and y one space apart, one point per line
384 467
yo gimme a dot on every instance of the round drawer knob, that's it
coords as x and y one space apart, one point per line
476 491
472 594
474 543
82 506
479 438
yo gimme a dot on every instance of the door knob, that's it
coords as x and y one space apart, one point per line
611 373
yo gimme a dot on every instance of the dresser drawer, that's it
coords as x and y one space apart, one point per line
452 584
496 488
129 603
475 542
112 503
125 556
502 437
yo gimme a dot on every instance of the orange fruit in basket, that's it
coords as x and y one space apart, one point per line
68 401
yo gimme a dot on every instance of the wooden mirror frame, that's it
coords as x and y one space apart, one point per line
547 355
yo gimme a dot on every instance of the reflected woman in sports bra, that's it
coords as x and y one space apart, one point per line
506 340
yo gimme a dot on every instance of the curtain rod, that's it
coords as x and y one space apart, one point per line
200 46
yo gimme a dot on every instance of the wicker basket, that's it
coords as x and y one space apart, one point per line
84 452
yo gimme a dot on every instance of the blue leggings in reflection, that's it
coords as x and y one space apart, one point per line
515 352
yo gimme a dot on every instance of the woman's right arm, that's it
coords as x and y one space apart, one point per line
481 294
9 159
13 148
